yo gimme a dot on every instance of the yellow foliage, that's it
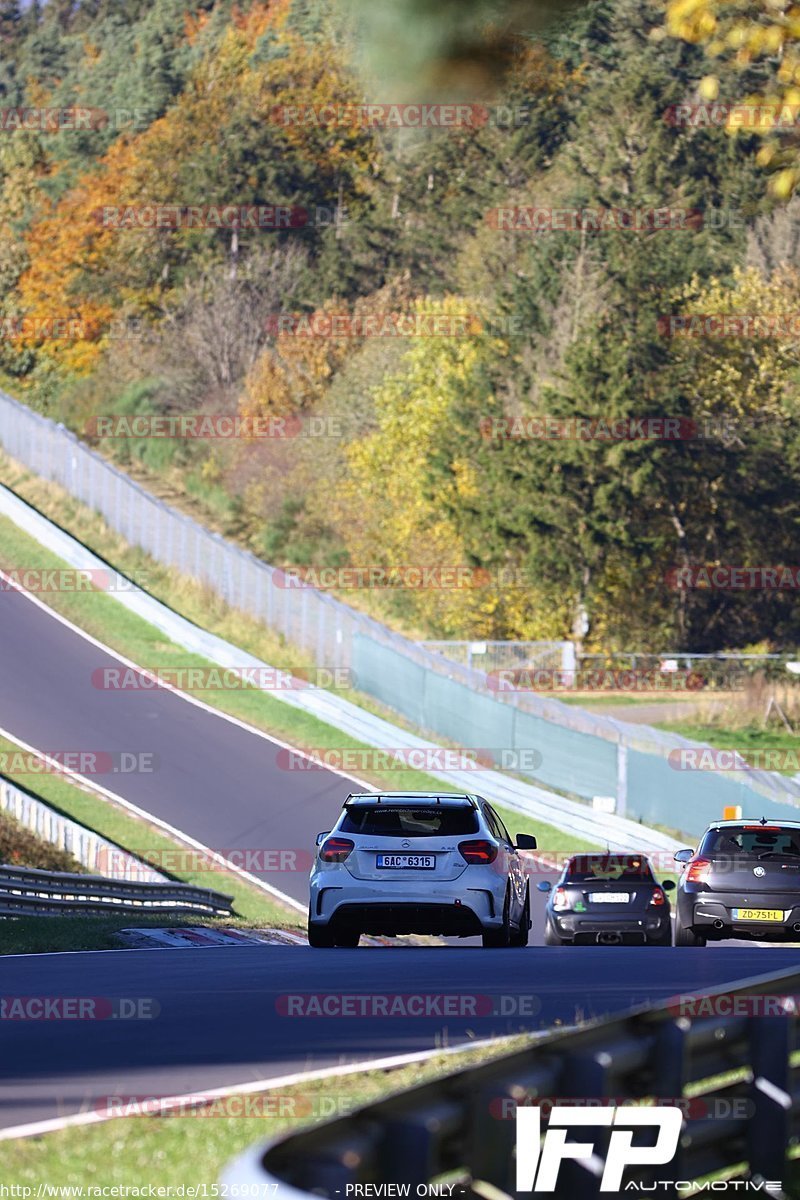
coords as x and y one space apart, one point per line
67 245
393 508
745 32
745 375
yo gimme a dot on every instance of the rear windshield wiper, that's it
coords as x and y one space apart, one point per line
780 854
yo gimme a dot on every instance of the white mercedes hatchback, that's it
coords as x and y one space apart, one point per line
418 862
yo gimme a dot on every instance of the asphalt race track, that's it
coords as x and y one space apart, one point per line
220 1019
213 779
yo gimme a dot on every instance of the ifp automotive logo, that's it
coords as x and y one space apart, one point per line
539 1160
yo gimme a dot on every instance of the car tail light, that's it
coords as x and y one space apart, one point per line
658 898
336 849
478 852
698 870
560 899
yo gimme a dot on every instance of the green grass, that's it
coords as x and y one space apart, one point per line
101 615
251 906
36 934
194 1149
592 700
549 839
21 848
201 606
752 742
42 935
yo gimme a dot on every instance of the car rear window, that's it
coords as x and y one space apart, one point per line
594 868
752 841
383 821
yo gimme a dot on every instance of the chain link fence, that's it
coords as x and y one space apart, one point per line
488 656
582 753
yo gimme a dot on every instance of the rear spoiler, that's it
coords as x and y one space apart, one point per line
356 798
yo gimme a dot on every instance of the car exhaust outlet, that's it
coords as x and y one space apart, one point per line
608 939
718 924
796 927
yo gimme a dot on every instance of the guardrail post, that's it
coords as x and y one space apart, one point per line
622 777
770 1127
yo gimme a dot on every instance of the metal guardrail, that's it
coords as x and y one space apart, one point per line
29 892
584 754
461 1127
89 848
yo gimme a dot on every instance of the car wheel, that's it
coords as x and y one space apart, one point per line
320 937
664 939
551 938
347 939
520 935
497 939
684 936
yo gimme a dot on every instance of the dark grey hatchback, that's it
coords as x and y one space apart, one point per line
743 881
607 900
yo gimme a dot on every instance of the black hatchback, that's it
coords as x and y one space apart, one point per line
607 900
743 881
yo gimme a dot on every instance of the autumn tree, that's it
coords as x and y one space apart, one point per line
763 34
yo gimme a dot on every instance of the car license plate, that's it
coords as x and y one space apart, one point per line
757 914
407 862
609 897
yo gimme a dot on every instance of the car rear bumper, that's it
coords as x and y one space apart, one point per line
590 928
391 918
448 905
713 918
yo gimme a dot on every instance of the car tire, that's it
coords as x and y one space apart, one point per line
320 937
498 939
520 935
685 935
347 939
664 939
551 938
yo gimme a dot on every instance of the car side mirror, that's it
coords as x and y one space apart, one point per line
525 841
544 886
683 856
668 885
321 836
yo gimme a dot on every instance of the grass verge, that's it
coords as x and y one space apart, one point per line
21 848
103 617
174 1150
769 749
205 609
